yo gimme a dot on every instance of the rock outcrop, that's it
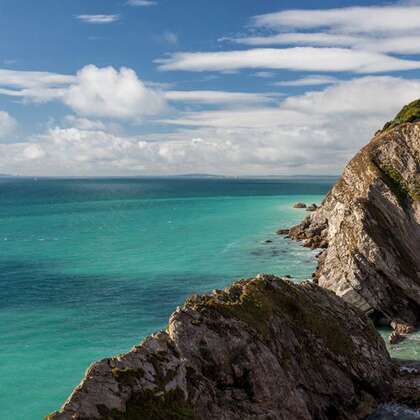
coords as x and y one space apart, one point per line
370 226
263 348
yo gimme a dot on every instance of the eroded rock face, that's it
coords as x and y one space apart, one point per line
370 226
264 348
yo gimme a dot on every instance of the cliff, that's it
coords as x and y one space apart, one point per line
369 226
263 348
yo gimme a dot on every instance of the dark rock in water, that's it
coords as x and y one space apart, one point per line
370 226
396 338
312 207
268 241
312 234
263 348
406 387
400 332
299 206
283 232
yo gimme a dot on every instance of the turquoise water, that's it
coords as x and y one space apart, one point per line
89 267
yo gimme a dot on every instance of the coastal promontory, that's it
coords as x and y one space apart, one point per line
369 225
264 348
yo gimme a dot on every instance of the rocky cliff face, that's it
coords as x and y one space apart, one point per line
370 225
264 348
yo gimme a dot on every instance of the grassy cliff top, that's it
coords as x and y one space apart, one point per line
409 113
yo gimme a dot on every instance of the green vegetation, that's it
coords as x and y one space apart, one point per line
409 113
397 184
257 301
151 404
126 375
148 406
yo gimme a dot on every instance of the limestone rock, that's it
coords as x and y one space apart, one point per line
299 206
264 348
370 226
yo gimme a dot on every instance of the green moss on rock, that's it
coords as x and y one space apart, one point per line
397 184
127 375
256 302
410 113
147 405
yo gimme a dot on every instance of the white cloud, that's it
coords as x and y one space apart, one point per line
311 133
299 58
407 44
384 29
305 38
314 80
32 151
217 97
98 19
264 74
107 92
380 19
142 3
33 85
84 123
15 79
100 92
381 96
7 124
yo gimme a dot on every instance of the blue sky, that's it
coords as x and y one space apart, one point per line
94 87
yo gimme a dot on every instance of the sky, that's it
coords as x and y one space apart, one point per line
165 87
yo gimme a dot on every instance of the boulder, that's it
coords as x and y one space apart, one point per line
264 348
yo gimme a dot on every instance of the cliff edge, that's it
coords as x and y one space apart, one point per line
369 225
263 348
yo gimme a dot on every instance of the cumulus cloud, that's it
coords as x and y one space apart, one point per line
99 92
107 92
298 58
382 96
98 19
7 124
84 123
311 133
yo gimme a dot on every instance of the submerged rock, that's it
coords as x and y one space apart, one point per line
263 348
370 226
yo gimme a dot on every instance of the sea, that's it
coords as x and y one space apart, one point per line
90 266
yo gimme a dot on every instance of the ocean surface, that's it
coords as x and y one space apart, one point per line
88 267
